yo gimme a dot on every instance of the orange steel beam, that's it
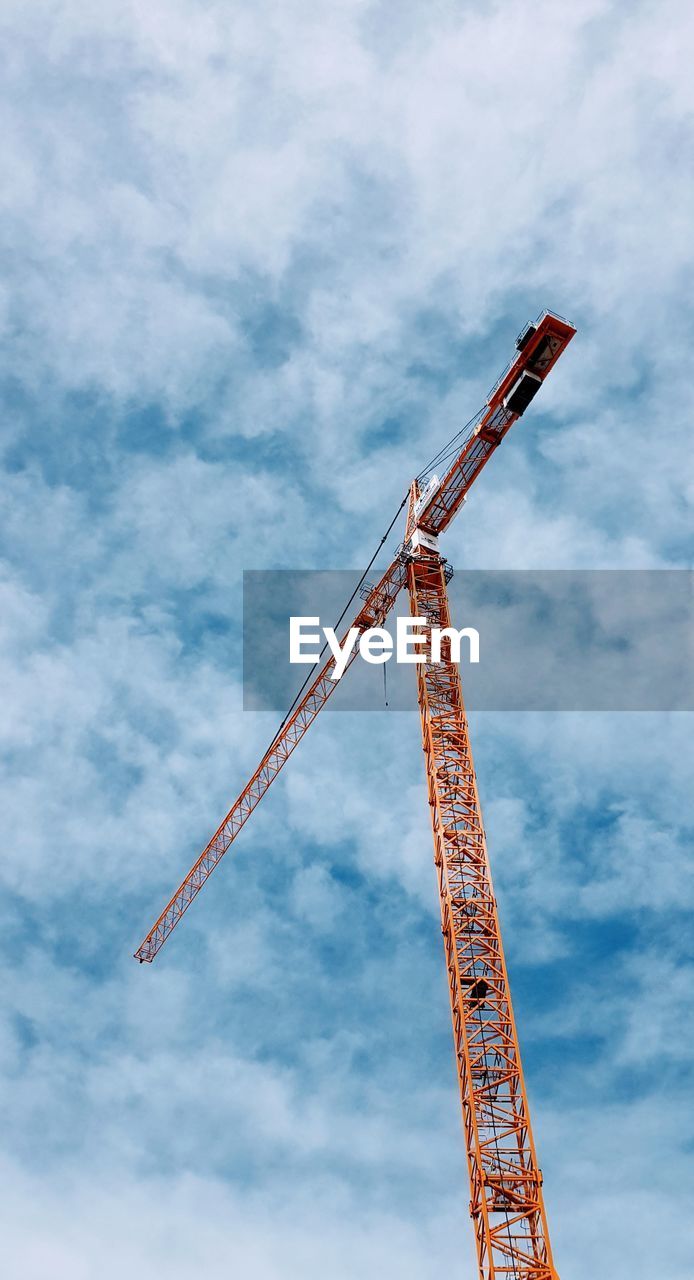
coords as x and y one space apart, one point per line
506 1203
549 337
376 608
542 344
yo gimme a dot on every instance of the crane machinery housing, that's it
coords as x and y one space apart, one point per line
506 1200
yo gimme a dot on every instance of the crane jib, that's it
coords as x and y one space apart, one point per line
508 399
539 346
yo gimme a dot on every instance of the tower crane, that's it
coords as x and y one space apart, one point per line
506 1199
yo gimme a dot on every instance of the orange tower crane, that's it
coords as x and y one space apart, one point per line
506 1201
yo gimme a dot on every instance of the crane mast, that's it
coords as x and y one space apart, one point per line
506 1202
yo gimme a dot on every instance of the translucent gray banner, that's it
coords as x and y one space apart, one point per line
551 640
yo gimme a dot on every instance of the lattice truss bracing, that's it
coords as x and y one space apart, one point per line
376 608
505 1183
539 347
506 1202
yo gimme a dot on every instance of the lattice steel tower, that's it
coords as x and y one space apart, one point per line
506 1203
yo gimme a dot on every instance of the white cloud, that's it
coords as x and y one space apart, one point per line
282 228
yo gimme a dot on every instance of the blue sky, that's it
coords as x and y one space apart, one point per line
260 261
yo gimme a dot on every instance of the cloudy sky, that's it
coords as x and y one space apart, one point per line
260 259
